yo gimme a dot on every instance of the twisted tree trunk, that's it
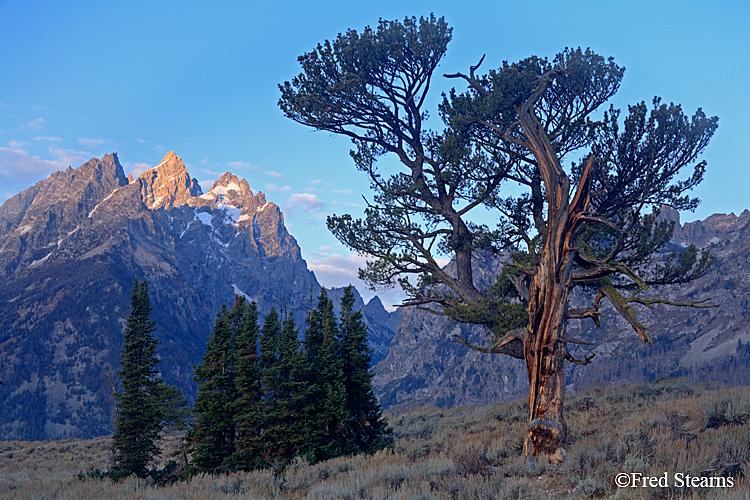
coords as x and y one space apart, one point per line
544 349
545 354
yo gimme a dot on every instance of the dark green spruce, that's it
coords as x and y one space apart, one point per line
264 398
283 381
365 431
326 393
211 438
249 411
139 414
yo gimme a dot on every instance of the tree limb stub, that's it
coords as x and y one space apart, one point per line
588 312
620 303
571 340
511 344
577 361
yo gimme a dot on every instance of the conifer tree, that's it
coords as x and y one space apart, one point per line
249 412
283 380
139 415
212 436
367 432
587 214
326 392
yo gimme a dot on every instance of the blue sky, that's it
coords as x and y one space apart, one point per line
80 79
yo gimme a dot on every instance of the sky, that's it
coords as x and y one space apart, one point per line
80 79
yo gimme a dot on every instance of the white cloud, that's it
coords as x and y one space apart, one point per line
315 181
5 196
239 164
203 172
18 168
273 188
307 202
343 191
70 156
34 124
136 169
338 270
206 185
93 142
203 161
4 105
17 145
312 190
276 175
50 139
142 141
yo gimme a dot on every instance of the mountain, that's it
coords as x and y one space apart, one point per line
425 367
70 247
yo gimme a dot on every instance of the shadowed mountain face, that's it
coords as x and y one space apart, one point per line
425 367
70 247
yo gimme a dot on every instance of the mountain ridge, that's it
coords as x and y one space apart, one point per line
70 247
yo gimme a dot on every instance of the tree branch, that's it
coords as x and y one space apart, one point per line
511 344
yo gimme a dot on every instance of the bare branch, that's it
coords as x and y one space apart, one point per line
471 79
697 304
571 340
577 361
511 344
589 312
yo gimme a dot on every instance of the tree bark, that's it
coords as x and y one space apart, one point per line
548 294
545 354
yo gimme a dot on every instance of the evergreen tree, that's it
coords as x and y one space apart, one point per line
249 414
284 395
212 436
139 415
367 432
326 392
592 224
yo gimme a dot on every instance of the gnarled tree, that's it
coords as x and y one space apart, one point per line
593 225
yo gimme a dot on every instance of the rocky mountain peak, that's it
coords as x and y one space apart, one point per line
168 184
702 233
231 182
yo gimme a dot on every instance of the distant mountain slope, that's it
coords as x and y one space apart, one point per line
70 247
425 367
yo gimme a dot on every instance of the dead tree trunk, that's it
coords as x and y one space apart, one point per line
545 354
544 349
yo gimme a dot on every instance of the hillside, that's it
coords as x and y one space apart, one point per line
670 427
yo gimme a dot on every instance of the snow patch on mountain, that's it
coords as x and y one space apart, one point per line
205 218
105 199
239 292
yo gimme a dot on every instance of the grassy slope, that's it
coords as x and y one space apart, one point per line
669 426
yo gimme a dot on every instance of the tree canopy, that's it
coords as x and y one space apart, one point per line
593 224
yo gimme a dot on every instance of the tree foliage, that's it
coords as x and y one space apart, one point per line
265 397
139 409
593 225
284 392
212 437
364 429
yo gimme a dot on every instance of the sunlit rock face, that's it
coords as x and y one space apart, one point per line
70 248
168 184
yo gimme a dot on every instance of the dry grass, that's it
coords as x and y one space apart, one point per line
461 453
